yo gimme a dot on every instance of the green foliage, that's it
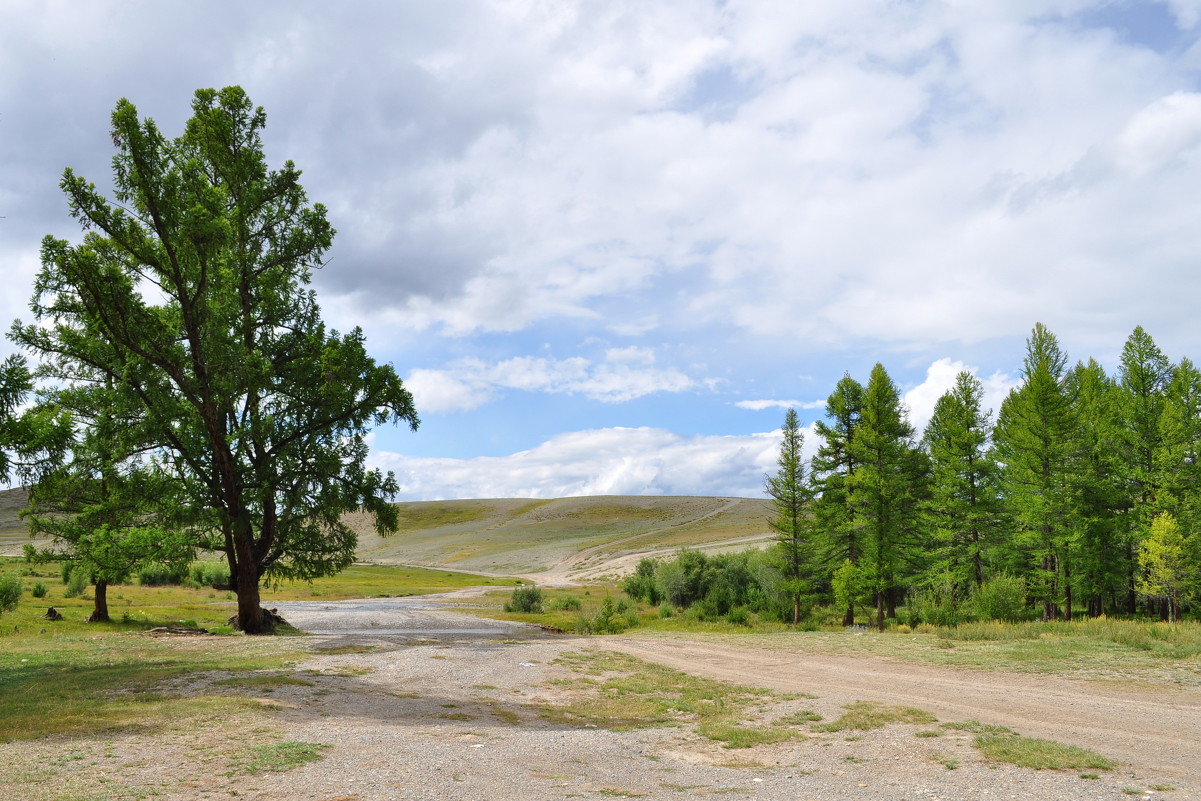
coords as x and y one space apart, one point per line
162 575
567 603
791 495
38 590
1002 597
11 588
76 584
850 590
1166 569
527 600
226 371
640 585
607 619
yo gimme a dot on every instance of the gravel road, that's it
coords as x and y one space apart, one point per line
448 706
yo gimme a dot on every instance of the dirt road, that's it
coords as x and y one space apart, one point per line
1156 731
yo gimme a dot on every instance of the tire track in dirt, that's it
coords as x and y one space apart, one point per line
1155 732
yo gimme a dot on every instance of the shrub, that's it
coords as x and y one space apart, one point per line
76 584
160 575
525 599
64 571
11 588
739 616
607 620
640 585
1002 597
209 574
568 603
38 590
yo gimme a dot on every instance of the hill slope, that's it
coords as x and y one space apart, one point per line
519 535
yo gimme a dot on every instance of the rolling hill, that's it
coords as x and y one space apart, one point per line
516 535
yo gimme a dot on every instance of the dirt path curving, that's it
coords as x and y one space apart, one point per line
591 563
1154 731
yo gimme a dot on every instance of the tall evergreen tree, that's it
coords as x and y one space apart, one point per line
840 539
790 493
964 505
1100 566
1034 443
886 488
1178 457
1144 375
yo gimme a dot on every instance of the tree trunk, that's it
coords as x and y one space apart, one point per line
880 610
796 609
849 618
246 579
100 605
1067 586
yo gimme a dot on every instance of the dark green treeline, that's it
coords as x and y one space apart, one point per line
1058 491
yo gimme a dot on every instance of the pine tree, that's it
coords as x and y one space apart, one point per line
1100 569
886 485
964 505
1034 443
1144 375
790 493
839 538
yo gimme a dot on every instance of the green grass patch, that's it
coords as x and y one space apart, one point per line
864 715
79 684
1030 752
276 758
801 718
263 682
631 694
733 735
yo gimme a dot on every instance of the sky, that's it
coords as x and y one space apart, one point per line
607 244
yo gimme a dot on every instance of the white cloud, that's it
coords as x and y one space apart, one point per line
760 405
609 461
623 375
940 378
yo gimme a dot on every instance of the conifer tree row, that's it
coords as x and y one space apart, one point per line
1086 492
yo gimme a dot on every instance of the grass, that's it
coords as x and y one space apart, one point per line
628 693
1030 752
276 758
135 608
864 715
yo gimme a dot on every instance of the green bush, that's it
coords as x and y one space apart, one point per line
525 599
160 575
76 584
1002 597
607 620
739 616
38 590
568 603
209 574
64 571
11 588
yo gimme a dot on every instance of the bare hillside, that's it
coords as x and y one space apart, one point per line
518 535
524 536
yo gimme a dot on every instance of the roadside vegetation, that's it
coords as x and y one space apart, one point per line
620 692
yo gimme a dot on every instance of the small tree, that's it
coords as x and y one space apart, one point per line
1165 567
791 495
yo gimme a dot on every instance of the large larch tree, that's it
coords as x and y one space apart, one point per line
191 294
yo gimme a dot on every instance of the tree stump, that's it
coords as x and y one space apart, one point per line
52 614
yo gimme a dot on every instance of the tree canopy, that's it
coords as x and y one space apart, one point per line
189 297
